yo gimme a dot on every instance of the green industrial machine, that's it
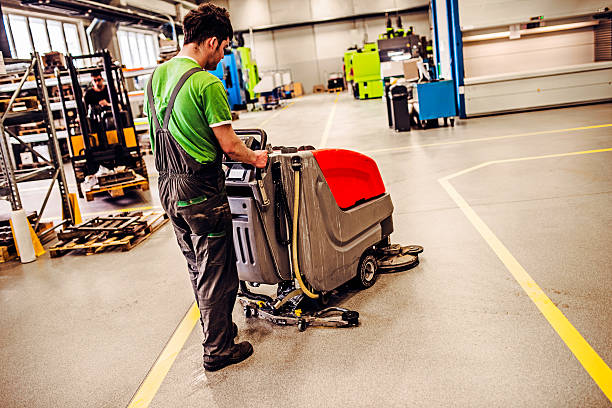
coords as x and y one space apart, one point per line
365 64
249 71
348 65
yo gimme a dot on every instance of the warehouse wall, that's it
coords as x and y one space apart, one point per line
533 69
256 13
313 52
475 14
529 53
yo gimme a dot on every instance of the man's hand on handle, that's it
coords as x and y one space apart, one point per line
261 158
236 149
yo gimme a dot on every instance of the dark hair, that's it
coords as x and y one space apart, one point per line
96 72
207 21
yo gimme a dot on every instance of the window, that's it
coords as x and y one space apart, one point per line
48 35
138 49
72 39
56 34
134 47
124 48
10 40
21 35
39 32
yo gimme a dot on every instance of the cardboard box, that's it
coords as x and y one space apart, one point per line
298 89
411 69
318 89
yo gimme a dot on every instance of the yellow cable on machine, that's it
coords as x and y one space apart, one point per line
294 239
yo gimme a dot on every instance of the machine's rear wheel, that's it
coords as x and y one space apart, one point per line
366 271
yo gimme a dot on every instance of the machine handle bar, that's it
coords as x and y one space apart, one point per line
263 140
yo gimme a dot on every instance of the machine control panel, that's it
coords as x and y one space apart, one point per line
236 173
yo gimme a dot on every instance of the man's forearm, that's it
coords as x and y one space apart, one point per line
239 152
233 146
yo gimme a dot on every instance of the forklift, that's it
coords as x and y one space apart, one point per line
102 136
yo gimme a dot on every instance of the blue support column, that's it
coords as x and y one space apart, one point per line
436 39
456 50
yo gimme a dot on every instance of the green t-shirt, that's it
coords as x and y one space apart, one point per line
200 105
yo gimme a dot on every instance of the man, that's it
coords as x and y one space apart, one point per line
191 181
97 94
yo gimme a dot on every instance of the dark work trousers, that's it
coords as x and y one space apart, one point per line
193 195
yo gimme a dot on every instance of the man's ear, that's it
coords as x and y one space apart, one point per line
213 43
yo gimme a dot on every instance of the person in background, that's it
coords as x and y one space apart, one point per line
97 94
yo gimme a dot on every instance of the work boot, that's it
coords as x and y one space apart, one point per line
240 352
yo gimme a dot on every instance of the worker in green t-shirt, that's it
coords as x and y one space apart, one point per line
190 127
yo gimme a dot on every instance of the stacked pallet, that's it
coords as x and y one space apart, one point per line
100 234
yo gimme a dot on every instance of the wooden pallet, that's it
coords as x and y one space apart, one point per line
27 103
97 242
34 131
7 253
118 190
334 90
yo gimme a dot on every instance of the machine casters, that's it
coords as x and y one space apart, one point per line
366 271
329 317
302 325
248 312
393 249
412 249
351 317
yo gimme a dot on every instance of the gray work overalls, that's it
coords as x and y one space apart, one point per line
194 197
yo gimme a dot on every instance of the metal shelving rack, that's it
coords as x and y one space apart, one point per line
53 167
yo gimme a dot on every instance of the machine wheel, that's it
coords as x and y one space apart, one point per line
366 271
351 317
452 121
302 325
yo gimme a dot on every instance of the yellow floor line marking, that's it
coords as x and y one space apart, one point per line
275 115
590 360
158 372
485 139
330 119
150 385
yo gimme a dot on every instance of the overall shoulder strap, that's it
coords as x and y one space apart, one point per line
175 92
152 110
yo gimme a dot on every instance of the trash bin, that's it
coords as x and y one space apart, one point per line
399 108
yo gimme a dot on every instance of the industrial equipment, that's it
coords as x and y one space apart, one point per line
102 136
249 72
412 93
239 75
229 71
365 64
432 101
320 218
348 67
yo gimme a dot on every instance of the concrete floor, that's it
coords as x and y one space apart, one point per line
458 330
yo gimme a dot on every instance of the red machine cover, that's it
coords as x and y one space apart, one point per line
351 176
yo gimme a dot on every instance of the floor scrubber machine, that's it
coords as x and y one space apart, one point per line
309 222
